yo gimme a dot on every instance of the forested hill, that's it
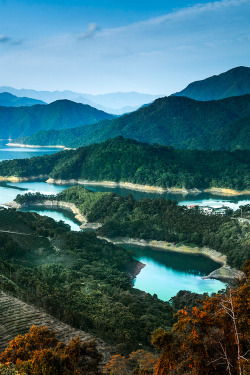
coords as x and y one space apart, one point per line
62 114
176 121
127 160
234 82
9 100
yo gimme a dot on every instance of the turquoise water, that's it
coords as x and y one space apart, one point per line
9 153
167 272
57 215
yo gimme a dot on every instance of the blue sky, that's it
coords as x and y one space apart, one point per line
99 46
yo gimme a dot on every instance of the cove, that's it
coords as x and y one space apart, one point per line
60 214
203 199
167 272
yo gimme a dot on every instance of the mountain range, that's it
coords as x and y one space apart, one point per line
176 121
234 82
116 103
9 100
61 114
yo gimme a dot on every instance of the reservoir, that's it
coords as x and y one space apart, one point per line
166 272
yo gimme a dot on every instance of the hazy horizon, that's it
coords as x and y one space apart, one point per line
100 47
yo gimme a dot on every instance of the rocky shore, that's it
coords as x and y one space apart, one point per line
148 188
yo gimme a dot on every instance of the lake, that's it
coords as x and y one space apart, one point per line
166 272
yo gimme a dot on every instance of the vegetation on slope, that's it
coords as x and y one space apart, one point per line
78 279
9 100
174 121
234 82
158 219
210 338
40 352
124 160
62 114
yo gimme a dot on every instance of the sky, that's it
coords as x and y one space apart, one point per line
101 46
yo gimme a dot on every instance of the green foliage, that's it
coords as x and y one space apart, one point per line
160 219
126 160
163 220
174 121
80 280
61 114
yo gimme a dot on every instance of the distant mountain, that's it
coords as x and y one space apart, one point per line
176 121
9 100
61 114
116 103
234 82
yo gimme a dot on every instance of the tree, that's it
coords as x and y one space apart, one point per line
39 352
212 339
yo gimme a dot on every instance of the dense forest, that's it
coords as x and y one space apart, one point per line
212 338
157 219
62 114
79 279
124 160
174 121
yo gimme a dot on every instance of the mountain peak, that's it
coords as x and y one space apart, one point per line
234 82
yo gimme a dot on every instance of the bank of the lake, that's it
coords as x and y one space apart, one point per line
148 188
224 273
21 145
128 185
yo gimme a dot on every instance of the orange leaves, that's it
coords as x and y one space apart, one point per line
140 361
39 352
212 339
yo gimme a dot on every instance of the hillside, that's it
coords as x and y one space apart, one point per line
62 114
77 278
124 160
175 121
9 100
16 318
155 219
234 82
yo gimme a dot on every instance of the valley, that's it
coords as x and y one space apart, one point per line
125 231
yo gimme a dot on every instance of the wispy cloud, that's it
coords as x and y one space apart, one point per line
4 39
91 31
7 40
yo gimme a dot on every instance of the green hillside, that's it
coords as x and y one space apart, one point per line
9 100
156 219
175 121
62 114
234 82
127 160
78 279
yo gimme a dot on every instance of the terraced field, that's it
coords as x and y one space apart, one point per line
16 317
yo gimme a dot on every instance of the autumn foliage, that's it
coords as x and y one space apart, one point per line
39 352
209 340
140 362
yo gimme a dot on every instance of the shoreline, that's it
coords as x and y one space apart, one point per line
149 188
53 204
128 185
169 246
224 273
22 145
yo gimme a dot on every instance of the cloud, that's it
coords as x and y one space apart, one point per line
4 39
91 31
7 40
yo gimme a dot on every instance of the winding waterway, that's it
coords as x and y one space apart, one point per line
166 272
